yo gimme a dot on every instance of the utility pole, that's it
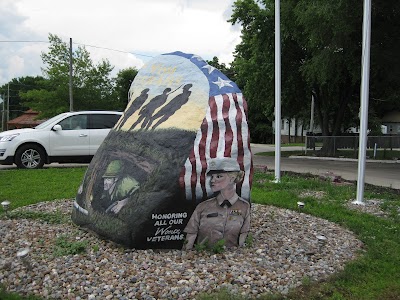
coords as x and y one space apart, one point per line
71 100
2 114
8 105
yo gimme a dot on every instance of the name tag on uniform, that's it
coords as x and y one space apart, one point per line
235 212
212 215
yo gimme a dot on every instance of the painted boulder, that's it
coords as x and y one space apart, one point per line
153 169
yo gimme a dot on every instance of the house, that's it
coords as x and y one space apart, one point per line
27 120
295 131
392 121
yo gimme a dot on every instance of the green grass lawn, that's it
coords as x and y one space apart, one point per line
285 153
24 187
374 275
293 145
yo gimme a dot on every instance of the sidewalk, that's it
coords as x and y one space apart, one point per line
347 159
376 172
258 148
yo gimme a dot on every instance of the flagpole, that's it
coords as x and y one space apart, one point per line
277 92
364 100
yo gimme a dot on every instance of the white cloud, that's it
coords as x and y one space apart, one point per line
16 64
147 27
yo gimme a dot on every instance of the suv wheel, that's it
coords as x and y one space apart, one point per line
30 157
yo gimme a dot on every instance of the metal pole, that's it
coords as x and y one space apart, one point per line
8 106
277 92
364 101
312 114
305 148
2 114
71 100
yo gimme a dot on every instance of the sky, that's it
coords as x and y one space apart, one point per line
126 32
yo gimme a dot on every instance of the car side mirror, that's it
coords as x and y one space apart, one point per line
56 127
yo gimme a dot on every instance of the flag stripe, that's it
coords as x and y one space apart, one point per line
203 157
240 151
228 127
232 121
246 149
221 126
215 129
223 133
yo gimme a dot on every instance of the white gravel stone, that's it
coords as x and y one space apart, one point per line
284 251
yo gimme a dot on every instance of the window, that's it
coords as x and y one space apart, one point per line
74 122
103 121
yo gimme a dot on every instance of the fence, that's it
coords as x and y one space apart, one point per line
384 147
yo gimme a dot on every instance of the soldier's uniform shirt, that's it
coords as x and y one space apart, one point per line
212 222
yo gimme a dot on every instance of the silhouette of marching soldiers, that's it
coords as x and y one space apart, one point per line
136 104
146 112
171 107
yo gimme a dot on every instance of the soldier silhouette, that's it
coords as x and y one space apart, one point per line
171 107
136 104
147 111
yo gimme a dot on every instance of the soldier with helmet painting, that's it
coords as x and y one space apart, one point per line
117 189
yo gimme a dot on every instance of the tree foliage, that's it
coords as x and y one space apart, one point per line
321 48
228 71
92 84
10 93
254 65
122 85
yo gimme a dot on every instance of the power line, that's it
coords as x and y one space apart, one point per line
122 51
86 45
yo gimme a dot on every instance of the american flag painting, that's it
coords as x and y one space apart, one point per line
224 132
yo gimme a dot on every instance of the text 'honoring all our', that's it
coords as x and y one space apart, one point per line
165 230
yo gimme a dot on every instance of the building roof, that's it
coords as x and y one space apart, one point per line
27 119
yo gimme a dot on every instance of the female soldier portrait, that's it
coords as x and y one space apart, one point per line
225 216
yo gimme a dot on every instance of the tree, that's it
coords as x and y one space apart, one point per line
321 54
122 85
228 71
254 64
92 85
12 90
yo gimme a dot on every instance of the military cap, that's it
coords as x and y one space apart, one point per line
222 164
113 169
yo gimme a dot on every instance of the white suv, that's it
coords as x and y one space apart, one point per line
68 137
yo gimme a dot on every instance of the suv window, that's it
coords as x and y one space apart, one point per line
103 121
74 122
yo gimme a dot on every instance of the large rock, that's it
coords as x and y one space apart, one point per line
150 172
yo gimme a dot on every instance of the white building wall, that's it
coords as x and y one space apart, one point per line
301 130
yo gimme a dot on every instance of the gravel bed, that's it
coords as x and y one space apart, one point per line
370 206
285 252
